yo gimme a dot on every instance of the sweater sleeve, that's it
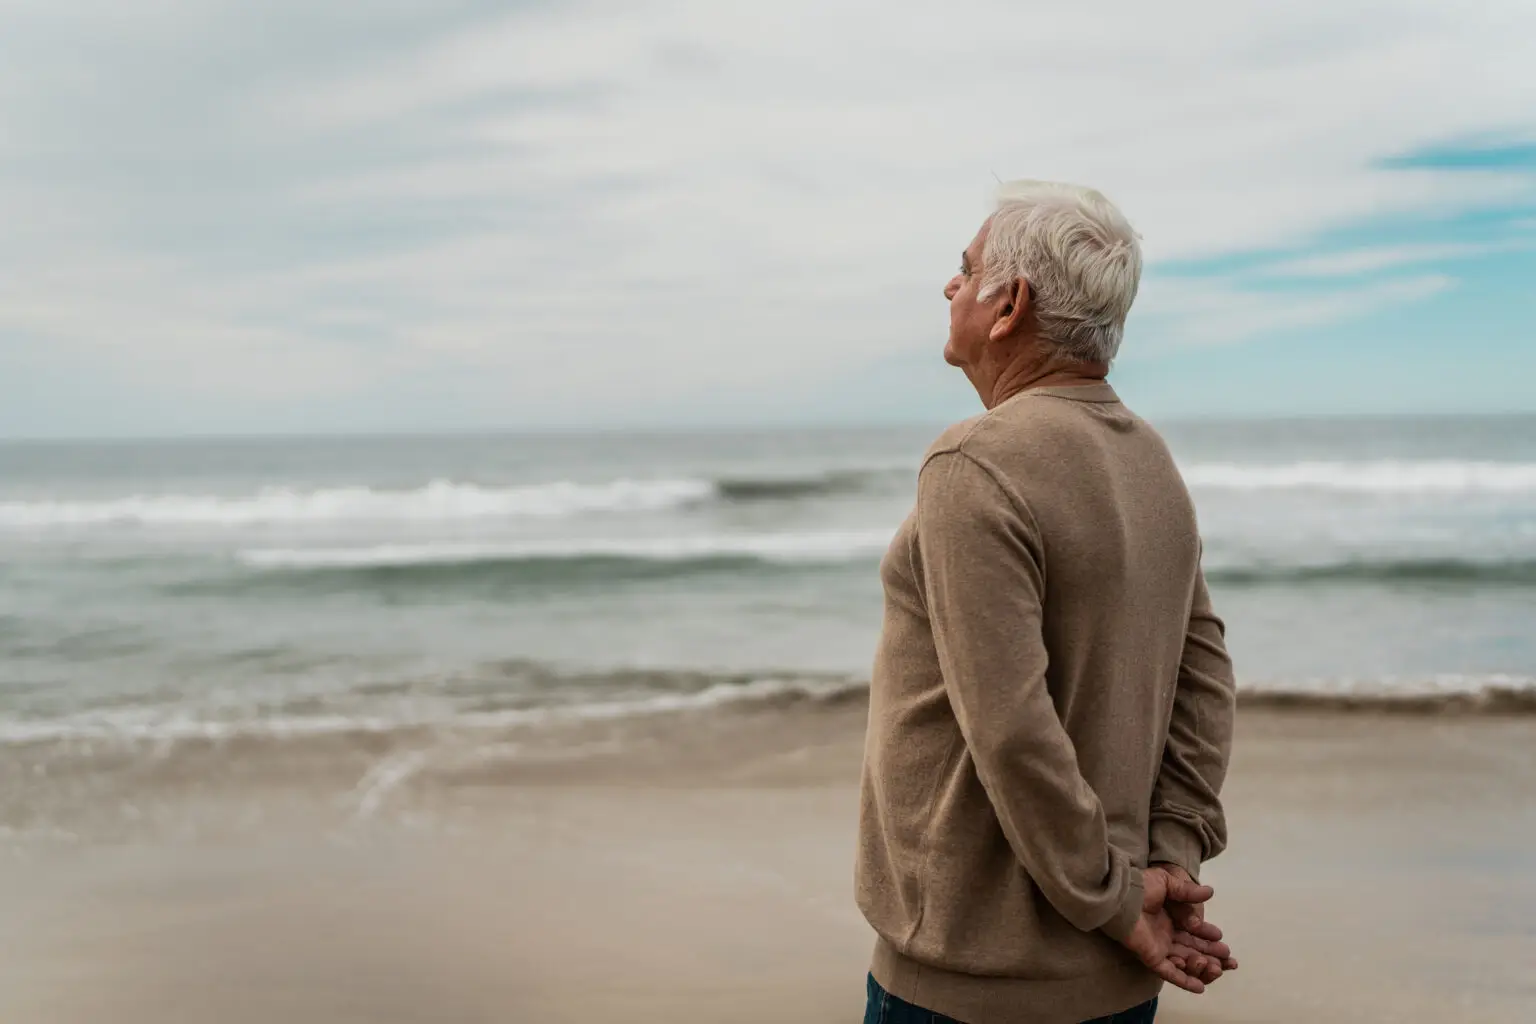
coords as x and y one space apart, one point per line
983 584
1187 822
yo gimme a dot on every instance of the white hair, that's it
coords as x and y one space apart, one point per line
1078 253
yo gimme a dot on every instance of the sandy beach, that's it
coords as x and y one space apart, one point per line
697 868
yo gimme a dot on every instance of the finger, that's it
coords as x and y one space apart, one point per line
1175 976
1195 923
1200 965
1203 966
1229 964
1194 962
1181 891
1186 916
1195 942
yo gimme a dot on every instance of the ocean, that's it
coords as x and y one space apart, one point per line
157 593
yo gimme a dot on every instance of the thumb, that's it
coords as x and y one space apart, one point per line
1188 892
1191 918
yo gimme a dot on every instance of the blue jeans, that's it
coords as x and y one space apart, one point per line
884 1008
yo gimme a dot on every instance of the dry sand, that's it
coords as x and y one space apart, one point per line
1382 869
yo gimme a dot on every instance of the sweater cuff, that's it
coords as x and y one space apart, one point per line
1119 927
1173 842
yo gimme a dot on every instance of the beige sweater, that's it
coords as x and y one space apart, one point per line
1051 709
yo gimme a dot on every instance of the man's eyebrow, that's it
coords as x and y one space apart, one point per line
965 260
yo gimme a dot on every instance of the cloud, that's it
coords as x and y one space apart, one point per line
1183 313
1362 261
606 209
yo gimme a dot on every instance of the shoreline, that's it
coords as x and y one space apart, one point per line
1382 868
108 786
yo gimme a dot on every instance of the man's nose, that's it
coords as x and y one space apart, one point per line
952 287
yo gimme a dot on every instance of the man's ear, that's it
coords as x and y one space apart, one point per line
1012 313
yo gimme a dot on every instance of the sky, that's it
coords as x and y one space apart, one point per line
414 215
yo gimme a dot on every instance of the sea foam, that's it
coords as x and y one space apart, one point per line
448 501
1385 477
439 501
789 547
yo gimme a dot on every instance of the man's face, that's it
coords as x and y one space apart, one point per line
970 321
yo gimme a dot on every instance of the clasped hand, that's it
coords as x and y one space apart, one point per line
1172 936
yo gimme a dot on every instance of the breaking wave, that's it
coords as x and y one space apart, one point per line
681 551
439 501
624 700
1512 572
622 694
449 501
1384 477
442 501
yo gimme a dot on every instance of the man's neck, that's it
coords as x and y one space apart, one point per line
1033 370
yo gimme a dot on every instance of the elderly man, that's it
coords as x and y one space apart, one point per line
1052 703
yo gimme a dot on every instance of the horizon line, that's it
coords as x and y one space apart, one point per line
655 429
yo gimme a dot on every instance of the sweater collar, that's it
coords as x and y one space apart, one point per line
1099 392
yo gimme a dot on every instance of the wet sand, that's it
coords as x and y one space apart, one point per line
1382 869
